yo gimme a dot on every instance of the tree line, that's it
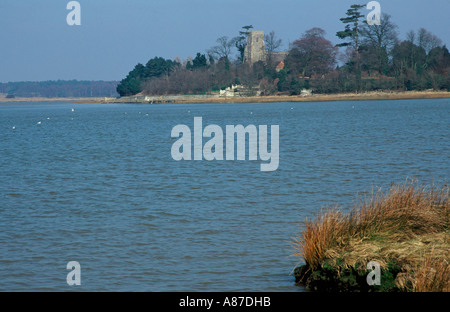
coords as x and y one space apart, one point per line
60 88
371 57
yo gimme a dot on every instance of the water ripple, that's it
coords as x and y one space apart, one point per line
103 190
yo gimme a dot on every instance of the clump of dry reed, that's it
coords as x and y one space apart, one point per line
408 225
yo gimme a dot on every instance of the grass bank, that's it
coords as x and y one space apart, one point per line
405 230
366 96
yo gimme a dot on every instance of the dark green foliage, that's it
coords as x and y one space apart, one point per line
156 67
129 86
375 60
198 62
414 69
352 33
438 58
352 22
407 55
241 41
332 278
283 84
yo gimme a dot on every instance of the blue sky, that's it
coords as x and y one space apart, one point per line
37 44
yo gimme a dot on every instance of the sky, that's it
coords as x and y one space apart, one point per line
37 44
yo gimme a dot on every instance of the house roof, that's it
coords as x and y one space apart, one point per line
280 66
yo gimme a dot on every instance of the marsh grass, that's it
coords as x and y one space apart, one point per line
408 226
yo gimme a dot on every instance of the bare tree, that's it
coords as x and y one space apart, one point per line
379 41
223 49
272 44
411 36
427 40
424 39
312 53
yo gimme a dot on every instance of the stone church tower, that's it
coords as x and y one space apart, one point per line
255 50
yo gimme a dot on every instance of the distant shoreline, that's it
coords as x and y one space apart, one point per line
407 95
44 99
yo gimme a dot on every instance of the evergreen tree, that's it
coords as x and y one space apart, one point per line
241 41
352 33
199 61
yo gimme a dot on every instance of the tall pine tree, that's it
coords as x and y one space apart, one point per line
351 32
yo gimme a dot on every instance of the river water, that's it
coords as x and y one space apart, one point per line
96 184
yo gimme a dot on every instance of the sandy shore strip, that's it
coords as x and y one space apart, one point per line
252 99
326 97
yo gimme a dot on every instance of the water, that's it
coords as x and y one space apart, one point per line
98 185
